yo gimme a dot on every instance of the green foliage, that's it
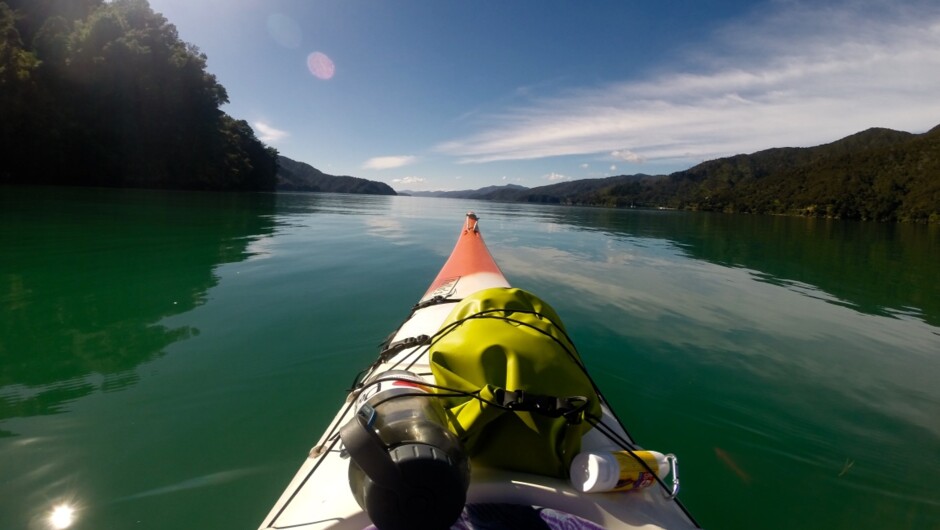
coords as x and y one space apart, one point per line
16 63
297 176
117 99
878 174
17 80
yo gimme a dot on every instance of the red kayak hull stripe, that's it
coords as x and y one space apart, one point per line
470 256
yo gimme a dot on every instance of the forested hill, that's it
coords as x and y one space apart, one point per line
106 94
878 174
298 176
489 192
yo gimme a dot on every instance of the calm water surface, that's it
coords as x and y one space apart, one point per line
167 359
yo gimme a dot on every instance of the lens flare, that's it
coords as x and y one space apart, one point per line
62 516
320 65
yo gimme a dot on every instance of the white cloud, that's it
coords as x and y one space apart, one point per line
585 166
408 180
388 162
613 167
269 134
802 75
554 177
627 156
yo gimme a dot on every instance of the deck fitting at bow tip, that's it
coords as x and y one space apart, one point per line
472 220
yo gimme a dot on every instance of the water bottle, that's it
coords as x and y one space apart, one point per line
407 470
598 471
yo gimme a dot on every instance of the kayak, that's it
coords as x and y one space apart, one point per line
478 413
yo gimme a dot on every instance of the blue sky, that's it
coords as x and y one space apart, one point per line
444 95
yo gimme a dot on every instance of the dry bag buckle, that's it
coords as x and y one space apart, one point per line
554 407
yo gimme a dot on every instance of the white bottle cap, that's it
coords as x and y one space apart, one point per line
594 471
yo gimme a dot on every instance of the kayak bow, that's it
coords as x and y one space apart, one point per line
470 263
403 451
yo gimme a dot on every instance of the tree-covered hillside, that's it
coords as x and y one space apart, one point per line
298 176
878 174
106 94
489 192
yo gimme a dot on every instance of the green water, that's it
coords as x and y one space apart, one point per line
167 359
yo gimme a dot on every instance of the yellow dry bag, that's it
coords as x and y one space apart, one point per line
509 347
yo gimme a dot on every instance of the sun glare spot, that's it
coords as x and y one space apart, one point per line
320 65
62 516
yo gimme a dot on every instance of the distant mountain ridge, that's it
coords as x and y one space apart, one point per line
482 193
299 176
877 174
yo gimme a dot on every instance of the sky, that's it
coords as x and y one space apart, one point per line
448 95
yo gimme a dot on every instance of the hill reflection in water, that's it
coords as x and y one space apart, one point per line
87 275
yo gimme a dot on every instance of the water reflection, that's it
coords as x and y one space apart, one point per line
87 274
737 355
875 268
385 227
291 205
755 380
62 516
205 481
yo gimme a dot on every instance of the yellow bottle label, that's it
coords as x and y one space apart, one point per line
633 475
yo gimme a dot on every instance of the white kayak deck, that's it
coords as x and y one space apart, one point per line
319 495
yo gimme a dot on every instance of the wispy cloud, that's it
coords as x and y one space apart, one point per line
554 177
408 180
388 162
801 75
269 134
627 156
